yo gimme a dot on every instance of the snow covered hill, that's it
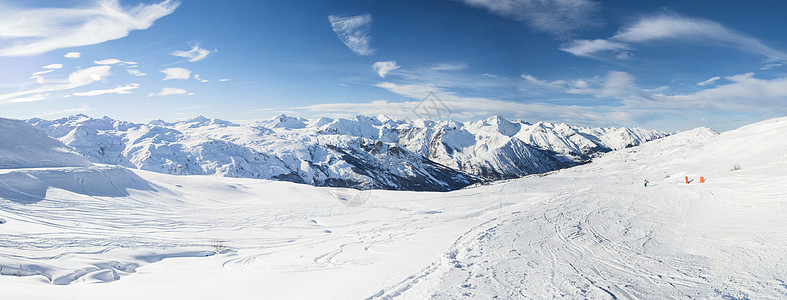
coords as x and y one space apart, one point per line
32 163
591 231
602 234
363 152
23 146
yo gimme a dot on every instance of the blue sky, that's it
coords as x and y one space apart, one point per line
669 65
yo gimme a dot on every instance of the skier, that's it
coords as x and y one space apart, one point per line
646 183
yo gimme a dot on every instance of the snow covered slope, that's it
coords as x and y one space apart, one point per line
592 231
602 234
24 146
32 163
363 152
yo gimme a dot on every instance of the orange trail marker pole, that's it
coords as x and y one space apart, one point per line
687 179
702 179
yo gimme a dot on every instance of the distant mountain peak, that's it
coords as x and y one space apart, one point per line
197 119
361 152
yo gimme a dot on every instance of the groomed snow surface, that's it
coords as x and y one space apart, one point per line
592 231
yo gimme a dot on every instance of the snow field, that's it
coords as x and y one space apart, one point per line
592 231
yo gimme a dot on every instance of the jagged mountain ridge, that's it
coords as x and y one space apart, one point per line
363 152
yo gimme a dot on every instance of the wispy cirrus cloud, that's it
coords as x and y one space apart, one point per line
168 91
120 90
557 17
354 32
43 72
449 67
532 79
709 81
615 98
771 66
383 67
744 93
468 107
176 73
32 31
31 98
673 27
53 66
590 47
112 61
76 79
195 54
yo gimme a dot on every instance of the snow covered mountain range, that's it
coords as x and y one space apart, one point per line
362 152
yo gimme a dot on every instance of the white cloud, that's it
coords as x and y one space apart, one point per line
176 73
383 67
43 72
126 89
224 79
710 81
743 93
195 54
675 27
136 72
170 91
38 30
532 79
615 99
354 32
31 98
200 79
76 79
73 55
618 84
467 107
53 66
589 47
558 17
580 84
771 66
109 61
672 26
623 55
